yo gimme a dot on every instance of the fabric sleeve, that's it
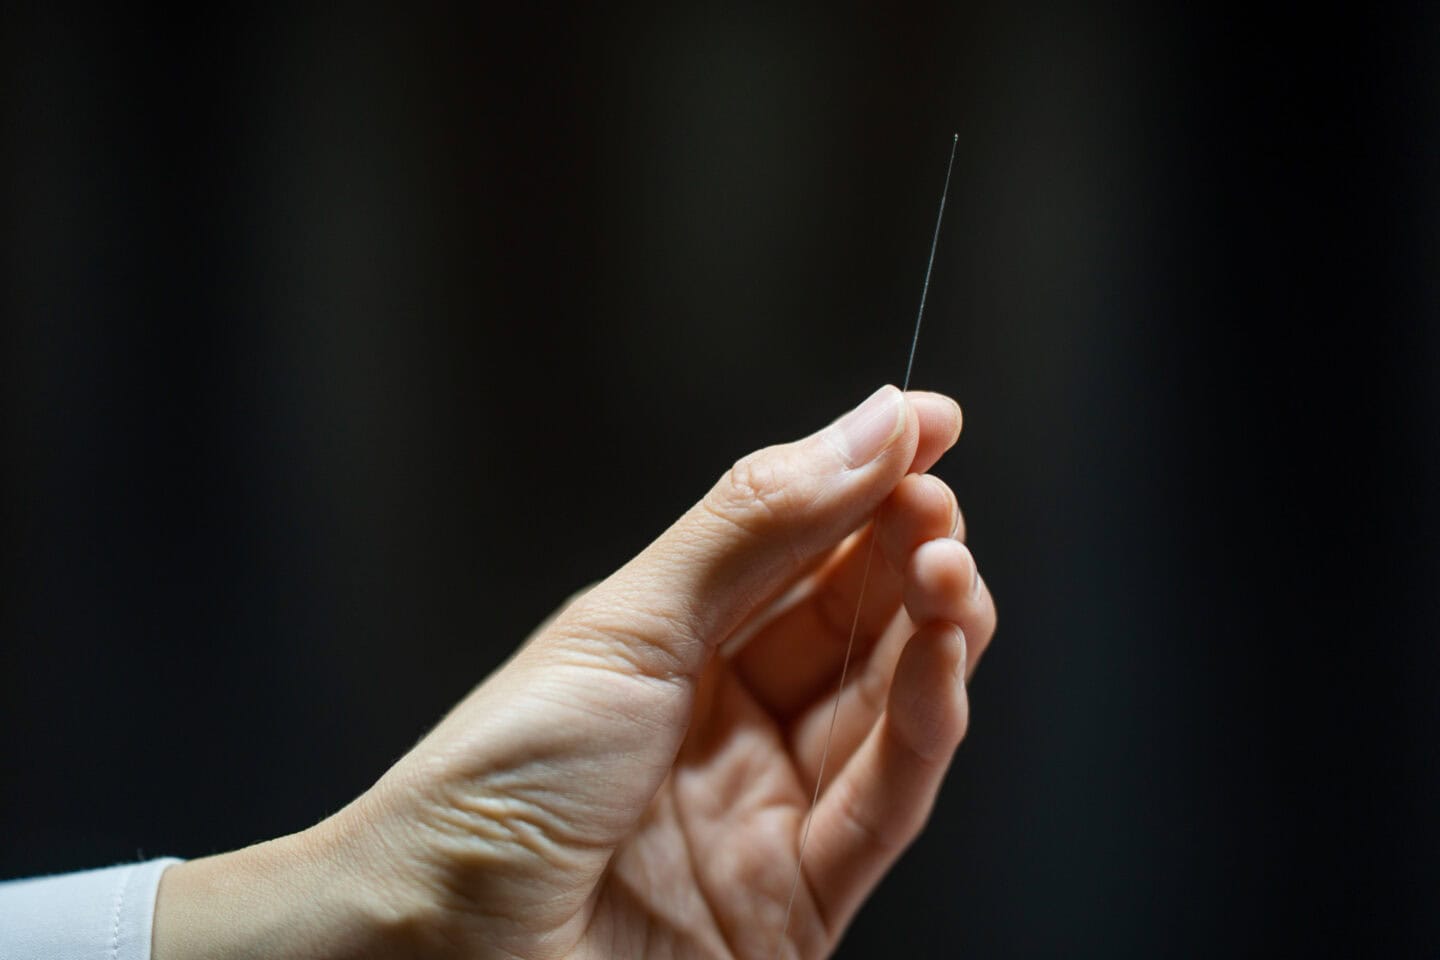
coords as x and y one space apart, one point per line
95 915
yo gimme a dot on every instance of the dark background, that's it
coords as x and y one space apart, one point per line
338 348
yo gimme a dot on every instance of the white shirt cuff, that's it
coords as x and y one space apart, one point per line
95 915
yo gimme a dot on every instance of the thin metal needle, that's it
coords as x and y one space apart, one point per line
864 581
934 242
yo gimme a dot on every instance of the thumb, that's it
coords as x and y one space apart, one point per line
767 520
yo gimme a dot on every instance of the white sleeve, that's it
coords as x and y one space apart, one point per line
94 915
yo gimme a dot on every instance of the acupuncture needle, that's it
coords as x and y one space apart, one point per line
864 576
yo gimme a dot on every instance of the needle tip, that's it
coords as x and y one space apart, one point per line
957 139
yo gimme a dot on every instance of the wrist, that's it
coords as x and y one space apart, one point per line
306 895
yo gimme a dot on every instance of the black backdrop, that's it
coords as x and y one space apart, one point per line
338 348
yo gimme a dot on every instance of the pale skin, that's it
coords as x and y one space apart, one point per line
634 781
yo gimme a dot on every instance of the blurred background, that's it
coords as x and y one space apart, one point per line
338 348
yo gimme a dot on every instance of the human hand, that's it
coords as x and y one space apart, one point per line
623 786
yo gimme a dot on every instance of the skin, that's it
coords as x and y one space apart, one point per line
634 781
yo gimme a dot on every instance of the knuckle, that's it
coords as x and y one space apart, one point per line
872 691
759 491
891 829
